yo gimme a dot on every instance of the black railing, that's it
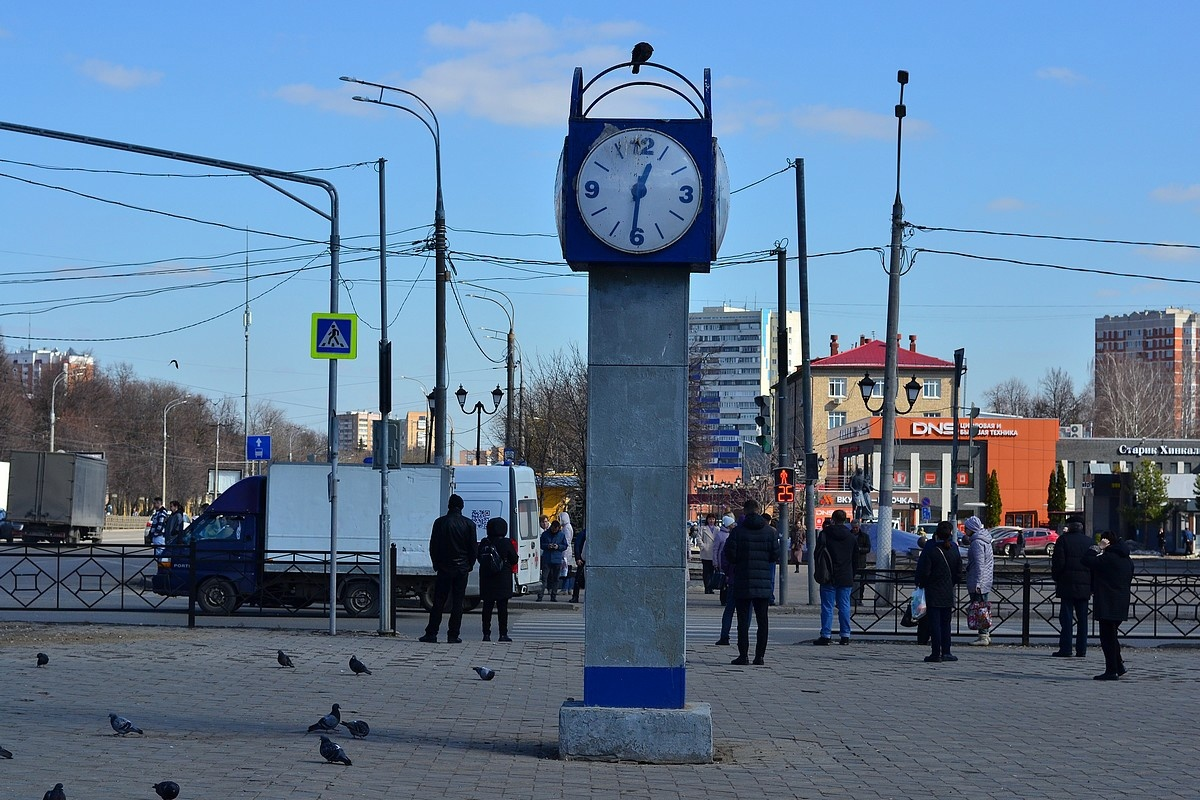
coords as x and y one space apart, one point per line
1166 602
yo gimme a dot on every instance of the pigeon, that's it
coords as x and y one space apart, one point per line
176 362
329 722
358 729
123 726
485 673
284 660
333 752
167 790
5 754
42 659
641 54
55 794
358 667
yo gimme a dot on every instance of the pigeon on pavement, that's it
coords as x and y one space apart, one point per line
167 790
5 754
333 752
641 54
123 726
485 673
358 667
358 729
55 794
42 659
284 660
329 722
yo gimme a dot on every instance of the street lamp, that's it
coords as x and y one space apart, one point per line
439 245
511 313
166 410
866 387
479 411
429 401
60 378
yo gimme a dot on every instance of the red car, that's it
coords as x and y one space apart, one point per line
1037 540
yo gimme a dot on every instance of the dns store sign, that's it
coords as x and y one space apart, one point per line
939 429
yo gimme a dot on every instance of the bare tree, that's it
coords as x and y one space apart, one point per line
555 420
1057 398
1134 398
1012 396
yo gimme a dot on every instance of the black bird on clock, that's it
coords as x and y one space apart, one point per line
641 54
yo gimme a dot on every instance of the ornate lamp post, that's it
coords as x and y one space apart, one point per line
479 411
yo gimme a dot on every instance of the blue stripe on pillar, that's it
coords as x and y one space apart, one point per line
634 687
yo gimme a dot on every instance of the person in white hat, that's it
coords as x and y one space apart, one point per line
980 568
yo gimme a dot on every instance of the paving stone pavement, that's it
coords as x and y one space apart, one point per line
866 721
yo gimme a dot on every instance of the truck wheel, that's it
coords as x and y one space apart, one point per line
217 596
360 598
425 595
1050 549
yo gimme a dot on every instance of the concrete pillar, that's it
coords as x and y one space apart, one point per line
634 677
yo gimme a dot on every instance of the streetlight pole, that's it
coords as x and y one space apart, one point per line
60 378
440 261
510 365
428 395
479 411
883 550
166 410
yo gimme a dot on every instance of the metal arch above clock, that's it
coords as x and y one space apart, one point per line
637 191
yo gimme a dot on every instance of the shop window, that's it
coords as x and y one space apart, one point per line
900 479
930 478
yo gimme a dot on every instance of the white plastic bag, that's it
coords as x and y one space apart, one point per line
917 604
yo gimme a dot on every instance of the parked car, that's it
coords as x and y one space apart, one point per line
1037 540
9 531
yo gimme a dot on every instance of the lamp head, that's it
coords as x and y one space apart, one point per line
461 394
866 386
497 396
912 391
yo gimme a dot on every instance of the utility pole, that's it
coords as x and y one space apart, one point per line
810 458
959 369
782 510
891 380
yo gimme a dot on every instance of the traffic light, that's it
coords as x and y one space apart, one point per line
394 444
785 485
763 421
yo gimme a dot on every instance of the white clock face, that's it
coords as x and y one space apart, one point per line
638 190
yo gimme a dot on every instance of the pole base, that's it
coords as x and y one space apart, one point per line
646 735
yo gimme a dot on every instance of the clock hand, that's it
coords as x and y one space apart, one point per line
638 189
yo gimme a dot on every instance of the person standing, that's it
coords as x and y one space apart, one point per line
1020 545
939 569
554 551
1073 587
708 534
578 543
723 564
752 549
452 549
1189 541
495 587
838 543
796 547
175 522
158 523
981 570
862 548
1112 576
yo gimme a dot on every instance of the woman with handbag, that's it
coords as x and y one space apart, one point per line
939 569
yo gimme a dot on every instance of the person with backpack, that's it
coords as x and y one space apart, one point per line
496 558
833 569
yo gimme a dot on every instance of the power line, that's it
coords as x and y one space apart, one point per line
1086 270
95 171
1088 239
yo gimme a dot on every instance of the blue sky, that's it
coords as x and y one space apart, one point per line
1023 117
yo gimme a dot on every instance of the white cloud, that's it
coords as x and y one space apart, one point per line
337 100
1063 75
1177 193
1007 204
854 123
1183 253
116 76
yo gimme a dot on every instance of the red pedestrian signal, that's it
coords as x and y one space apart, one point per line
785 485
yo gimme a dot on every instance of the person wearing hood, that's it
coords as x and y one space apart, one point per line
1073 587
939 569
566 573
980 569
1112 576
725 570
752 549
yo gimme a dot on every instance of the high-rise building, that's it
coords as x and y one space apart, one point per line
417 429
1162 347
355 431
29 365
734 355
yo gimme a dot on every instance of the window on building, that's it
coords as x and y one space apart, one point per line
931 414
836 419
1070 473
837 387
932 389
930 476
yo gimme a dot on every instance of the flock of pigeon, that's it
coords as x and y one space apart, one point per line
330 750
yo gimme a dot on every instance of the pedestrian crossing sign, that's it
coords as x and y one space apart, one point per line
334 336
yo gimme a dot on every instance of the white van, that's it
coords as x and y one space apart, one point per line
509 492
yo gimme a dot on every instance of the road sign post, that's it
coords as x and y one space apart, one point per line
334 336
258 448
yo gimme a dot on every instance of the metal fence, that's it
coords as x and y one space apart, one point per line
1165 602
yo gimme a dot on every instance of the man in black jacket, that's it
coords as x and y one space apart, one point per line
752 550
1073 586
452 549
839 543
